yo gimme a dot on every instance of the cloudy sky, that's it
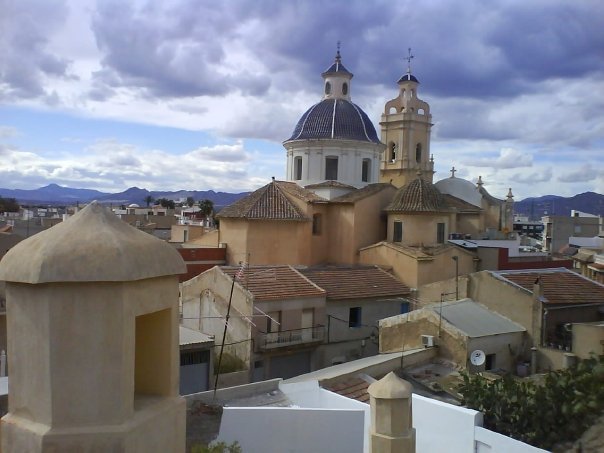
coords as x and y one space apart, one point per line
200 94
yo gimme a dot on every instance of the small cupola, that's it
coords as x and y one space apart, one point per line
336 80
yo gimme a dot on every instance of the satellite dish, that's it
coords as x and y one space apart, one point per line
477 357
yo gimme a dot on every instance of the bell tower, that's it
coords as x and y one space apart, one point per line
406 125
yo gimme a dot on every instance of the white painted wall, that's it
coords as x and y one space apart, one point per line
328 422
293 430
309 394
442 427
492 442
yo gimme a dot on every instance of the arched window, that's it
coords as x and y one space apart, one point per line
297 168
366 170
418 153
392 151
327 88
344 88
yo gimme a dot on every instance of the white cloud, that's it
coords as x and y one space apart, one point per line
584 173
112 166
508 158
8 132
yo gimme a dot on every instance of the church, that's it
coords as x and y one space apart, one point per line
351 197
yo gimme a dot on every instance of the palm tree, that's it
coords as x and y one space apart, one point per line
149 199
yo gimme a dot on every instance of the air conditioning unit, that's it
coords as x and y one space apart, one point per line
428 341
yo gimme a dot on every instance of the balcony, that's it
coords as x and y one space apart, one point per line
293 337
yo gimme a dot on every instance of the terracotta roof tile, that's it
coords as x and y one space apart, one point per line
337 184
268 202
359 194
355 282
353 387
417 196
275 282
560 286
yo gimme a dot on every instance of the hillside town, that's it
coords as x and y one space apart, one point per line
340 309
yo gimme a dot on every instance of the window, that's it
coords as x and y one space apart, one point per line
365 170
490 362
577 228
354 317
316 224
298 168
392 151
418 153
331 168
440 233
327 88
398 231
344 88
273 321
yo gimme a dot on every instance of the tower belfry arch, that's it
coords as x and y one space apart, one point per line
406 125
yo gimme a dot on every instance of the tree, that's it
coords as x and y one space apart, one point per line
206 207
559 409
149 199
164 202
8 205
190 202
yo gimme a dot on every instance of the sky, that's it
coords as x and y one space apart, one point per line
199 95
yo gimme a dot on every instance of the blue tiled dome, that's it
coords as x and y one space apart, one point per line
408 77
347 122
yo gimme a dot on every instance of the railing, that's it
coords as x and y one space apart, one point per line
291 337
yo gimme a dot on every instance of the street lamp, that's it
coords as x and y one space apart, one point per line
456 259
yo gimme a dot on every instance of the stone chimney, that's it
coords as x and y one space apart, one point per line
391 424
92 319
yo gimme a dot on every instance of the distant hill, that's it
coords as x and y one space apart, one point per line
535 208
51 194
56 195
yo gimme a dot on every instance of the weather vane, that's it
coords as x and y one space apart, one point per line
409 58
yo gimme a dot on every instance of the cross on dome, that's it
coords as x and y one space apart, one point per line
409 58
453 172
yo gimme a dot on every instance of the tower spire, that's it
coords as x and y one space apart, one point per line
409 57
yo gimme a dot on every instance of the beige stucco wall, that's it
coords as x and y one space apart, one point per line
404 332
234 233
431 293
416 272
587 339
204 301
193 232
75 342
420 229
507 300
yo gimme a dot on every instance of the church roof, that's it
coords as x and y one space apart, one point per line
335 119
417 196
267 203
408 78
460 188
359 194
460 205
337 68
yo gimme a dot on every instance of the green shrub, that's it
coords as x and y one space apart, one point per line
559 409
218 447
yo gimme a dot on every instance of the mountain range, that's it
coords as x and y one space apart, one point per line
53 194
536 207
